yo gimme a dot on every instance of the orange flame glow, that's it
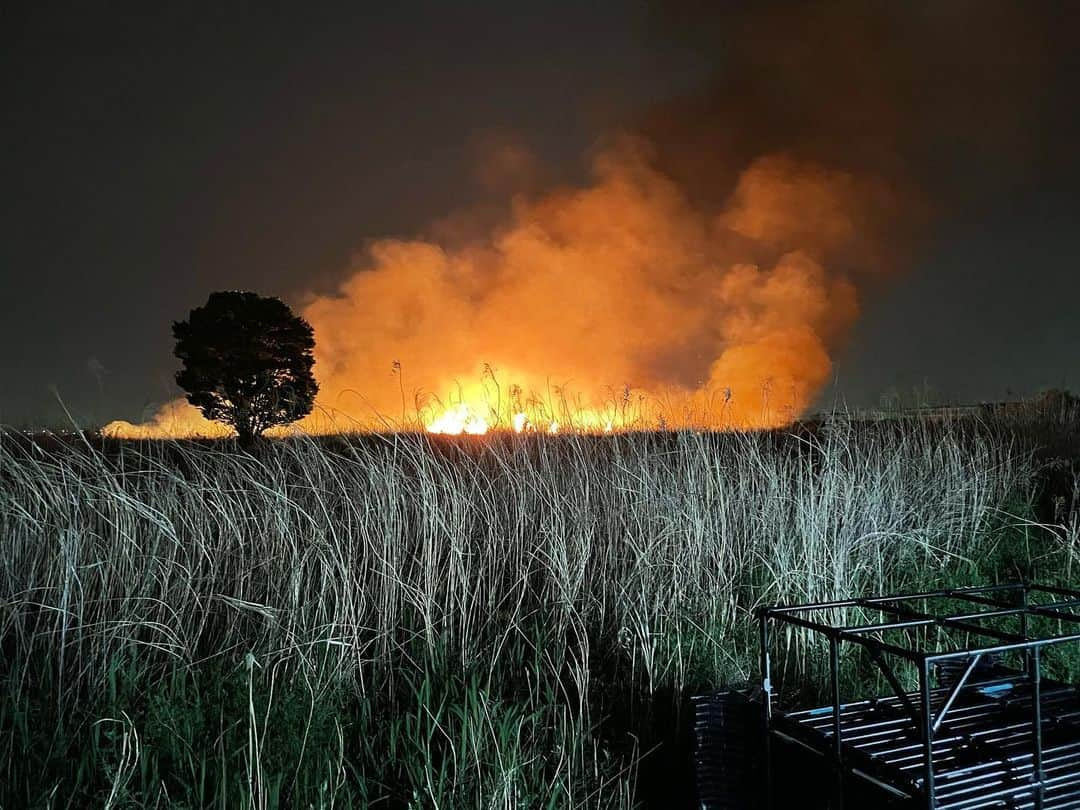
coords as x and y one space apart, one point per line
459 419
616 306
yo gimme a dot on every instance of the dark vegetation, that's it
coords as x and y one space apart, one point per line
513 621
246 362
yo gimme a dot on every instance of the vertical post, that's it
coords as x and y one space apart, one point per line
1036 710
927 733
838 754
1024 627
766 706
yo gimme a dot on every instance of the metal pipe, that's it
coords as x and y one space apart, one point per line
1036 706
927 734
920 619
833 632
838 752
894 682
991 746
959 622
1035 643
955 692
766 706
1050 609
958 593
1024 630
1054 589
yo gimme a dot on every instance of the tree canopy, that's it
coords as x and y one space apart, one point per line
247 362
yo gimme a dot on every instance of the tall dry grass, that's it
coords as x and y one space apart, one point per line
434 622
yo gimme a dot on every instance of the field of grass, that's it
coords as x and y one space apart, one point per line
503 621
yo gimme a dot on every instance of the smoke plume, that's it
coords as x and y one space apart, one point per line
722 316
617 304
713 263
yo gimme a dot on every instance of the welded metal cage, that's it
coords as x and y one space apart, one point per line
977 712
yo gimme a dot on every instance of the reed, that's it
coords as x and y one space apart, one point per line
411 621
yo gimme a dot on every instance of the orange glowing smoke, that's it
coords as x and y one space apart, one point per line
176 419
612 306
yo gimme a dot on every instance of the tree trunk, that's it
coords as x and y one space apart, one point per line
245 426
246 437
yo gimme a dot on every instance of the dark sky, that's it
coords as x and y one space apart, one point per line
152 153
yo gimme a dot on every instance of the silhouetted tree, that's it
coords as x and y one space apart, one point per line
247 362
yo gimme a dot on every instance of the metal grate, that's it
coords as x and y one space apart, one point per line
979 725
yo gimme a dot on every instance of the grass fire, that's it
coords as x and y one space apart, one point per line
616 305
420 408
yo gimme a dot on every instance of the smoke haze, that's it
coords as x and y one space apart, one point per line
714 262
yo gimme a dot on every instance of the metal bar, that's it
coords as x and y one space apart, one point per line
972 751
928 618
898 689
825 629
766 706
1072 593
959 622
1035 643
862 629
1036 710
986 600
1004 758
927 735
832 632
967 594
883 646
838 751
959 593
1051 609
852 633
1024 631
955 692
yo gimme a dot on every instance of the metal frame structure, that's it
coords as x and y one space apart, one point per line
975 742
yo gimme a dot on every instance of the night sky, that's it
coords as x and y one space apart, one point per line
153 153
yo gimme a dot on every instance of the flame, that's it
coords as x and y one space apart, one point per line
462 418
459 419
618 303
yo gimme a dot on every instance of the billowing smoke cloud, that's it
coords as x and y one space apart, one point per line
713 263
173 419
615 303
717 316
